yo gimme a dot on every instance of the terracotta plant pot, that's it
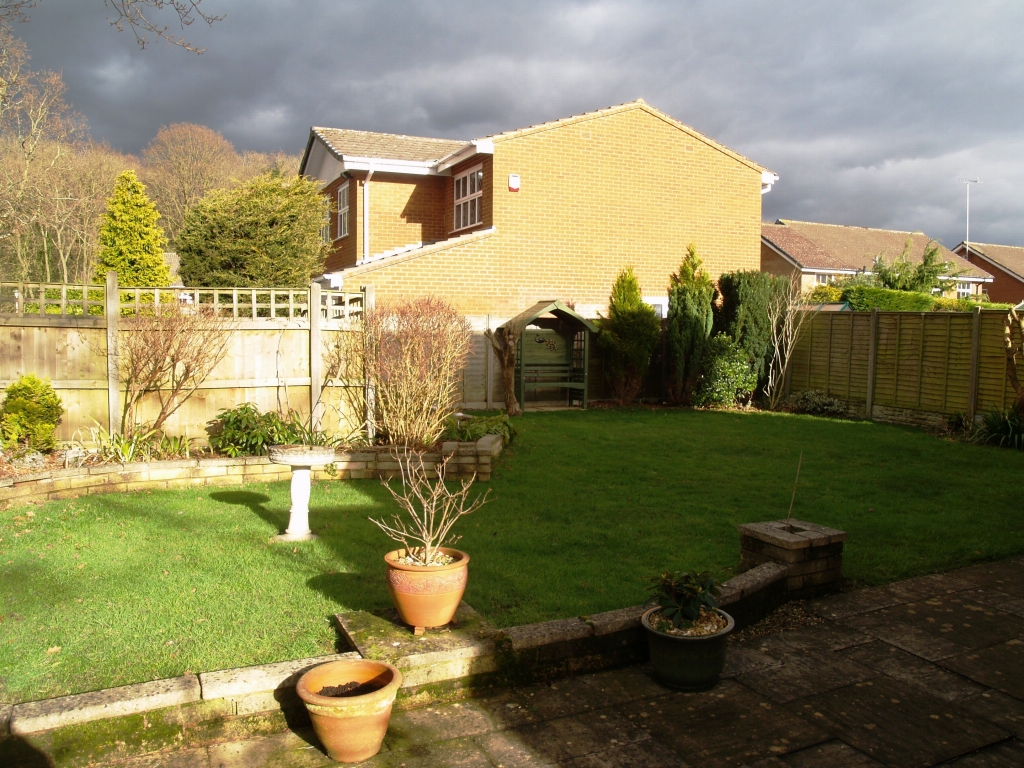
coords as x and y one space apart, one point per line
687 663
351 728
427 596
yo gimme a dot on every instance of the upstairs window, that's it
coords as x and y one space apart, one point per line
469 187
342 210
325 228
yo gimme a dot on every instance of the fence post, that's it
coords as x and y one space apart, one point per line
370 302
872 349
316 360
972 397
112 307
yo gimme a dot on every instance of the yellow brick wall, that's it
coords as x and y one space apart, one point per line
621 189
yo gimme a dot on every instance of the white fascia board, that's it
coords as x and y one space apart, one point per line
767 179
383 165
475 147
815 271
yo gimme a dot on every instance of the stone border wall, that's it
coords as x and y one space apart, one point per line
466 459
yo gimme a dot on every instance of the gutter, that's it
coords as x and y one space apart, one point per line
767 179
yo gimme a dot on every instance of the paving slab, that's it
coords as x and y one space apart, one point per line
819 638
853 603
741 659
641 754
1005 576
183 758
833 754
730 725
999 666
411 727
899 725
283 750
997 599
913 670
457 753
1005 711
567 738
805 674
1009 754
909 636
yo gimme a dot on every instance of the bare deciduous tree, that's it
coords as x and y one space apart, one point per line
786 316
505 342
169 353
1013 326
431 506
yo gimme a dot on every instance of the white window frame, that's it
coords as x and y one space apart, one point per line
963 290
325 229
660 305
468 199
342 211
824 278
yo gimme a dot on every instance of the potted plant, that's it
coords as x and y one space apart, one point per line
349 702
427 579
686 630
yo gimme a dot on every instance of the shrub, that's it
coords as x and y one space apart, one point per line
815 403
919 277
264 233
244 431
629 334
690 318
728 378
1002 428
130 241
862 298
824 294
946 304
746 296
414 353
30 414
468 429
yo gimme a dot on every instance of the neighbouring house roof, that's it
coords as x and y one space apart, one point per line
551 306
804 253
387 146
1009 257
856 247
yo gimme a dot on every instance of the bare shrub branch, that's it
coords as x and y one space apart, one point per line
414 353
431 507
133 13
786 316
170 353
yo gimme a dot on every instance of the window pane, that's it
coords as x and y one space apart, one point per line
479 181
476 211
472 184
458 216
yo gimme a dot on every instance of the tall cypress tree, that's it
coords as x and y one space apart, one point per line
690 318
630 334
131 242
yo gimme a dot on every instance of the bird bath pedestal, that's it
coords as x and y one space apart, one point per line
301 458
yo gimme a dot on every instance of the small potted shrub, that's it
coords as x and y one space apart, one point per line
686 630
427 579
349 702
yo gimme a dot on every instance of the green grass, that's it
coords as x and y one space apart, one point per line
586 506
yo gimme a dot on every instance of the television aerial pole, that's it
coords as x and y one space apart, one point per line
967 239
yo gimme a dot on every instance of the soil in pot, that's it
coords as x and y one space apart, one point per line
689 662
351 726
427 595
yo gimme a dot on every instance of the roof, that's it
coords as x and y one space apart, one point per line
1009 257
389 146
856 247
392 146
553 306
805 253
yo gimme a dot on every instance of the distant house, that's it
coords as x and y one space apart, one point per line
552 211
1005 262
818 254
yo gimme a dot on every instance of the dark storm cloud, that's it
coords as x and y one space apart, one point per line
869 111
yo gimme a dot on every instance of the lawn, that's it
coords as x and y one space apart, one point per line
109 590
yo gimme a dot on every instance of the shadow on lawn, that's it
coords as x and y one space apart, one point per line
255 503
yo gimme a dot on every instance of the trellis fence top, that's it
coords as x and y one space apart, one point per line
24 299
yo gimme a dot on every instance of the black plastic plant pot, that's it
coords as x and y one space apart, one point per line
687 663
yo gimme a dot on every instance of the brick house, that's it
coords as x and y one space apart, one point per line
1005 262
497 224
821 253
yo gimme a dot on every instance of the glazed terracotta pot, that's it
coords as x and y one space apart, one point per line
351 728
427 596
687 663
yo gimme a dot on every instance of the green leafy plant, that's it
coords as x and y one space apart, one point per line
30 414
690 319
303 432
815 402
244 431
173 447
472 428
728 377
137 446
682 594
863 298
629 335
744 314
920 277
1002 428
824 294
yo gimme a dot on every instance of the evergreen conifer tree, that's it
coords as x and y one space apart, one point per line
131 242
690 319
630 334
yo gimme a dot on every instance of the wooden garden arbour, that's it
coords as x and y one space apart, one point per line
556 356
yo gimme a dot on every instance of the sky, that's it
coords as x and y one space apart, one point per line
869 111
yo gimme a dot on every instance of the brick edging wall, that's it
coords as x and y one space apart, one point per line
466 459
